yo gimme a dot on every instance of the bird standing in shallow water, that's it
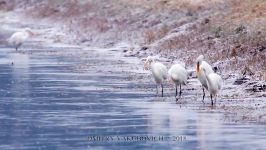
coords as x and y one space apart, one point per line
214 84
201 64
159 71
18 38
178 75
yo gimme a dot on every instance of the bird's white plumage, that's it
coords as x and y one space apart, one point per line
214 83
201 76
159 72
18 38
201 64
178 74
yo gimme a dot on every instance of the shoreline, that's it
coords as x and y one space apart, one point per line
234 98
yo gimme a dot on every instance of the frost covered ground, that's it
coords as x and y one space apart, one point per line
240 92
60 90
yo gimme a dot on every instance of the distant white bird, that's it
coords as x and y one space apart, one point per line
214 83
159 71
178 75
200 74
18 38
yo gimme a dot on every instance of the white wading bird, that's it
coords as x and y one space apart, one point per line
178 75
159 71
200 74
18 38
214 83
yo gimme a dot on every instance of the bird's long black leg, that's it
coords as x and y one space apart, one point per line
16 48
157 92
176 98
180 92
211 100
175 90
203 94
162 89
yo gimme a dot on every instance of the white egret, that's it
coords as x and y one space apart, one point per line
159 71
201 76
178 75
214 83
18 38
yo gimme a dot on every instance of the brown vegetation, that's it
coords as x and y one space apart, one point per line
231 31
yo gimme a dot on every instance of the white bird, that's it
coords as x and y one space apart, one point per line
159 71
200 74
214 83
178 75
18 38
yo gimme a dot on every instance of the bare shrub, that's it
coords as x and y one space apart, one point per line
6 5
149 36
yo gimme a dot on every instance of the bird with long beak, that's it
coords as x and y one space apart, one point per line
214 84
200 65
18 38
159 71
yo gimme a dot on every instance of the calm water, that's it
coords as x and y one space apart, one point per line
50 101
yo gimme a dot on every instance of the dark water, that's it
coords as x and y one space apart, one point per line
51 101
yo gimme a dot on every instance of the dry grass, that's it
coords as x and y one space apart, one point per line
149 36
237 33
192 6
152 35
231 30
6 5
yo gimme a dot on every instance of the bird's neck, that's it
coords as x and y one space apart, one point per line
198 68
27 34
151 64
208 79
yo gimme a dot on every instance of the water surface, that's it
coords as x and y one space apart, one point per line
54 99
